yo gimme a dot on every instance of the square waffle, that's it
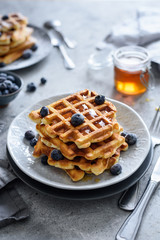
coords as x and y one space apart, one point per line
104 149
99 121
77 168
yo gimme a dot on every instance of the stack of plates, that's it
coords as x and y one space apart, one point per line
135 161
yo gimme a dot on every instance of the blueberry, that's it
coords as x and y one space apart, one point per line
3 74
116 169
5 17
0 34
2 64
43 80
3 86
31 87
44 160
56 155
44 111
2 79
13 88
123 133
131 138
11 78
8 83
34 47
77 119
99 99
27 54
5 92
33 142
29 135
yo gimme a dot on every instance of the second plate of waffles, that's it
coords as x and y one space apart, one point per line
89 149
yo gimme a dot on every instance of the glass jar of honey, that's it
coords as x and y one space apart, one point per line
131 70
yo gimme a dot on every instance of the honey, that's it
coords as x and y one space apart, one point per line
131 70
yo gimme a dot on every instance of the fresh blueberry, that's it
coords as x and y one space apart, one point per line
43 80
116 169
3 75
56 155
99 99
123 133
33 142
2 79
34 47
8 83
11 78
44 111
29 135
2 64
0 34
31 87
13 88
44 160
27 54
77 119
131 138
5 92
3 86
5 17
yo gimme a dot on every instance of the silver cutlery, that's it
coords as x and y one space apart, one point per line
130 227
55 26
68 63
128 200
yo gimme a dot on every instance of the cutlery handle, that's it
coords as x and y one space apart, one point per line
130 227
67 60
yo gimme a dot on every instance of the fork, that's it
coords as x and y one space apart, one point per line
130 227
129 198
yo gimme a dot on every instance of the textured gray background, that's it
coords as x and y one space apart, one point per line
87 22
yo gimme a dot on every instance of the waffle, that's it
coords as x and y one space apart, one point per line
77 168
15 37
103 149
99 121
14 22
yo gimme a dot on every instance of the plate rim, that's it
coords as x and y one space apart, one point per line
71 187
24 67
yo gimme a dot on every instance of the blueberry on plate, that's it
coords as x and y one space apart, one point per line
11 78
3 86
27 54
31 87
124 133
2 79
2 64
56 155
33 142
13 88
5 17
99 99
29 135
131 138
116 169
5 92
43 80
44 111
34 47
77 119
44 160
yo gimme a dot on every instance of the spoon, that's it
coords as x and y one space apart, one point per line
55 25
68 63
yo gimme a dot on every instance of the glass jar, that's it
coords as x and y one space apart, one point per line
131 70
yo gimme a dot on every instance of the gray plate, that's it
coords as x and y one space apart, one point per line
131 160
44 48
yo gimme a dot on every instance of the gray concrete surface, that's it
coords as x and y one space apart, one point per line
50 218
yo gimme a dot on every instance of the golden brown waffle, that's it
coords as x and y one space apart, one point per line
16 53
104 149
79 164
99 121
15 21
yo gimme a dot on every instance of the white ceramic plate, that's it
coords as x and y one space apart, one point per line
131 160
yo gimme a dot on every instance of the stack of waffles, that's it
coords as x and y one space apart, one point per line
91 147
15 37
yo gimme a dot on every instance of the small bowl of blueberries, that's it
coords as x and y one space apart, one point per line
10 86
